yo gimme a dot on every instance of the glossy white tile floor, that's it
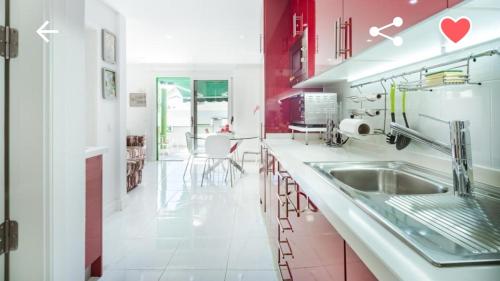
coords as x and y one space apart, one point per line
172 230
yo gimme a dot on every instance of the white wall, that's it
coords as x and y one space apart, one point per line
106 117
478 104
246 85
248 90
68 141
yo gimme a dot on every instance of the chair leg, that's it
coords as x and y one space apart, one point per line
204 169
231 171
187 166
243 160
210 165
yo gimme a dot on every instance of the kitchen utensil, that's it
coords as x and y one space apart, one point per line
391 139
402 141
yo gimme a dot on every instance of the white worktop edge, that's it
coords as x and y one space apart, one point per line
93 151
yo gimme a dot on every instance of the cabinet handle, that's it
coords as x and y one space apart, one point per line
337 38
317 44
282 252
343 34
298 24
285 266
349 26
282 227
294 21
311 206
260 44
341 38
346 39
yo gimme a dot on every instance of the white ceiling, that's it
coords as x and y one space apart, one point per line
192 31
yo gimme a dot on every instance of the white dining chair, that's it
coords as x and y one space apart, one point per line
218 148
193 153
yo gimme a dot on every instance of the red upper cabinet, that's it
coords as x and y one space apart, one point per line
277 34
367 13
452 3
328 12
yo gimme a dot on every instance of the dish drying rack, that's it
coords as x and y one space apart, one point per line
448 77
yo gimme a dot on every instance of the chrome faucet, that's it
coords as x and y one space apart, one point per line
459 149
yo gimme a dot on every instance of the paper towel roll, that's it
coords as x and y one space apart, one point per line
355 127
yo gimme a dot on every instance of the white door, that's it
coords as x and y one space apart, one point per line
2 111
46 141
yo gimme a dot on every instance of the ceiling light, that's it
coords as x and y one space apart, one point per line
413 2
169 37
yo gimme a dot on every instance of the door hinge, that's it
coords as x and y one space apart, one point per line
9 234
9 42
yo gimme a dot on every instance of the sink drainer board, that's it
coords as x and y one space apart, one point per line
473 224
446 230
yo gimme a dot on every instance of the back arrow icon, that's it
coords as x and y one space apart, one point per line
41 31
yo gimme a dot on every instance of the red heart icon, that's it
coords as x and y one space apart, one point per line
455 30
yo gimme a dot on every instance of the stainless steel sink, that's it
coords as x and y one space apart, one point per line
386 180
417 205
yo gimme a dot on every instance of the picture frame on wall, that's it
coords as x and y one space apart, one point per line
108 46
108 83
137 100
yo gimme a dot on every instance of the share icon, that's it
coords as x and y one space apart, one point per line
376 31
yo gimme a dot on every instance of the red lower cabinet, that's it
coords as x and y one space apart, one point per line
356 270
93 216
318 248
306 245
312 273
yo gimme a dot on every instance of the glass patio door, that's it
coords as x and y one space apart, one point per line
173 117
210 107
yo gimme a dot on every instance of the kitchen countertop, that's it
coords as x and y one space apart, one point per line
386 255
92 151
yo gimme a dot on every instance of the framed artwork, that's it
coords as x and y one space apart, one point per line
108 46
108 83
137 99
